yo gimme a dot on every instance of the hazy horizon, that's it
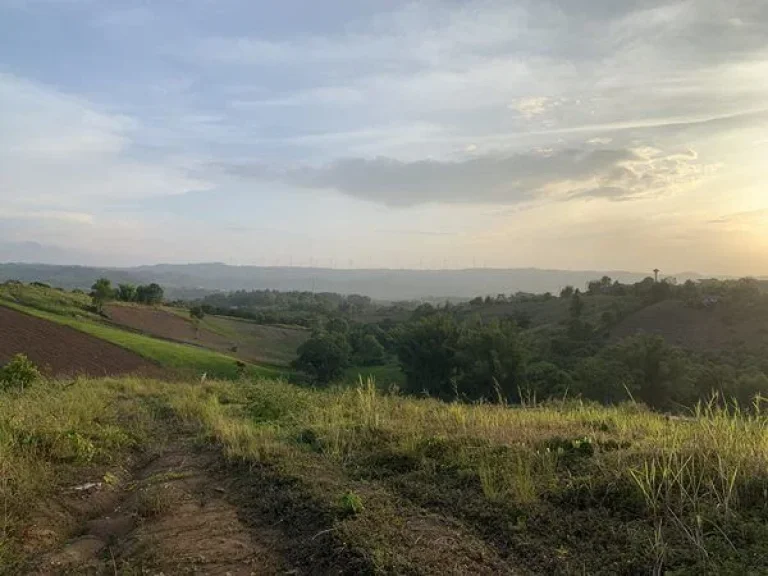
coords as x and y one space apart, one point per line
561 135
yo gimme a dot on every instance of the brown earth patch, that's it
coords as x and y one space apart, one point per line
171 516
164 324
246 340
63 351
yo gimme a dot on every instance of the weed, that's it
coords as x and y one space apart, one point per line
351 504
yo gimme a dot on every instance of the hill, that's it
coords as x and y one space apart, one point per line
702 329
195 280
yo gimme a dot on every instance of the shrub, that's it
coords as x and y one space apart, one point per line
18 373
351 504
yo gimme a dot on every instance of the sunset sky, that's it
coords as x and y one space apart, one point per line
579 134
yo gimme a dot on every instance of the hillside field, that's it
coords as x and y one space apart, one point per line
240 338
71 310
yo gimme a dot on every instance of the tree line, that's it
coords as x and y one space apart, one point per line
449 352
102 292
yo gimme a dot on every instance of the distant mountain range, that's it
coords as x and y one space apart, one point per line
194 280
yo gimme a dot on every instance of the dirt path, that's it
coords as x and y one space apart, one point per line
171 516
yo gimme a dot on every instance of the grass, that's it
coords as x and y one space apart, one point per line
275 345
50 300
48 431
380 483
182 358
643 492
385 376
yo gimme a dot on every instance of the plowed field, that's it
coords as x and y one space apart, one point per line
60 350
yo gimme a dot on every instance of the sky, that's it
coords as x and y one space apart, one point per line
574 134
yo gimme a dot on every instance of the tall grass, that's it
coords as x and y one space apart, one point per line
700 479
51 426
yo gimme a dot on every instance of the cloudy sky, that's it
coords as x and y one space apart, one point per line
552 133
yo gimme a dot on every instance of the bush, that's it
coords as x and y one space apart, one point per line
18 373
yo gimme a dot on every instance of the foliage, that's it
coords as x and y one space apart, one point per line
427 352
197 313
149 294
18 373
126 293
101 293
323 357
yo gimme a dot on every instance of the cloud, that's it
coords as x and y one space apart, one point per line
56 215
60 155
534 106
748 218
616 174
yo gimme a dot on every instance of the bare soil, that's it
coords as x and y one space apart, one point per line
171 515
243 339
158 322
59 350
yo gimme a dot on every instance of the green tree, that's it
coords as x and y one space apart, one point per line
658 371
323 357
150 294
101 293
197 312
367 350
427 353
491 361
546 380
577 305
566 292
126 292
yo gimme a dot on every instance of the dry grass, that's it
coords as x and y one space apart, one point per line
700 480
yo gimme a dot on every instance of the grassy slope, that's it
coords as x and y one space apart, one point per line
275 344
369 483
67 309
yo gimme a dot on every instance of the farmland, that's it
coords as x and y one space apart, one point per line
72 310
243 339
60 350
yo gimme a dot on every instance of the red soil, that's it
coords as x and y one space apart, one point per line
59 350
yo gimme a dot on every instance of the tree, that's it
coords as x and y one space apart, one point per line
566 292
367 350
323 357
150 294
657 371
545 380
427 353
577 305
126 292
196 313
101 293
491 362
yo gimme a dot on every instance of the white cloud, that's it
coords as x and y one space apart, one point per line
533 106
60 154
